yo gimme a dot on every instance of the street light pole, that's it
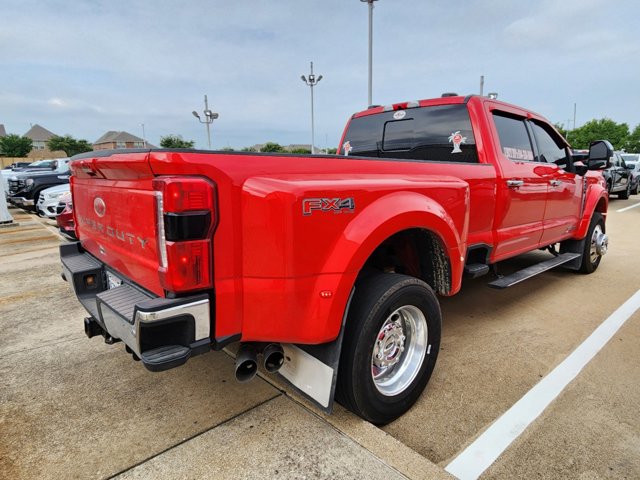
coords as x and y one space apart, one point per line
209 117
312 81
144 137
370 2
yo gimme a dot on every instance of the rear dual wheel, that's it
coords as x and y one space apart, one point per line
391 344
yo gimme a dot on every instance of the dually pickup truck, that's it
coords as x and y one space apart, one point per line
327 267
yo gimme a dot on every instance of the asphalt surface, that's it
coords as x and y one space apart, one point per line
77 408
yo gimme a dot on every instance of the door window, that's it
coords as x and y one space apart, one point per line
551 148
514 138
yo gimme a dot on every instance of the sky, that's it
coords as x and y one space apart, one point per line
83 67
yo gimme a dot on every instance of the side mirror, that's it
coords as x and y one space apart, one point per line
600 153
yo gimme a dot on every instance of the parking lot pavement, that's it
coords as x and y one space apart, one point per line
72 407
278 439
497 345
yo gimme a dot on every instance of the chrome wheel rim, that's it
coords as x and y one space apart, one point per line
597 247
399 350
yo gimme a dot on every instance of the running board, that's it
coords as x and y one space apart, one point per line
533 270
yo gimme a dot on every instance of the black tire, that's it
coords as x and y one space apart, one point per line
627 191
634 190
388 300
590 257
609 187
36 196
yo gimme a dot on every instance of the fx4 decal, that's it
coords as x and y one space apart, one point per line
335 205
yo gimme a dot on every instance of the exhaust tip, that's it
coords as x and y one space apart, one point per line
246 363
273 355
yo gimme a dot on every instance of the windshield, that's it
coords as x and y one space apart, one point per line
42 164
438 133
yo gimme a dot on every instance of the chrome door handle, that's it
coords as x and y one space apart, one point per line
515 183
555 183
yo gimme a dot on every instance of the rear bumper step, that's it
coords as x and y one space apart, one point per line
164 333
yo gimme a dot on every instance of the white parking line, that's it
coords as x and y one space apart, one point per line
479 456
628 208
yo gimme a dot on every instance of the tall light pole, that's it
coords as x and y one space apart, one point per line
209 117
370 2
144 137
312 81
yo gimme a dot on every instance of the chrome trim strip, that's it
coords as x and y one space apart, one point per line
162 243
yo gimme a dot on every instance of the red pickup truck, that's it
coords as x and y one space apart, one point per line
328 266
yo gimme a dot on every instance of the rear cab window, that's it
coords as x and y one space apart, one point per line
435 133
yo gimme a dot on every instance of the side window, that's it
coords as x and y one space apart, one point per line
514 138
551 149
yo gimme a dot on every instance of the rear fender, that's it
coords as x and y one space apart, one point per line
392 214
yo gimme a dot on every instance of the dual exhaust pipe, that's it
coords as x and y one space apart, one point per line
247 360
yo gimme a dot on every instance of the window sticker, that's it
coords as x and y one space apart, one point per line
518 153
346 146
457 139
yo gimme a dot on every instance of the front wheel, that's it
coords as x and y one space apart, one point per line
595 246
391 344
625 195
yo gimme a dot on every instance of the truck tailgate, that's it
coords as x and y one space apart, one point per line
115 209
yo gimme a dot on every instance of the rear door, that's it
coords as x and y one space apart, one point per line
522 190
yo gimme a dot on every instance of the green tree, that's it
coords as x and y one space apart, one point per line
69 145
332 151
248 149
301 151
13 145
272 147
633 141
560 127
603 129
228 149
175 141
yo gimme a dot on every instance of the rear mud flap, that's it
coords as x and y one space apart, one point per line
312 370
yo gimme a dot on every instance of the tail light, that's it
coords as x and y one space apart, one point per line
185 223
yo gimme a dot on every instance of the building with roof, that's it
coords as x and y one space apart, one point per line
39 136
3 132
113 140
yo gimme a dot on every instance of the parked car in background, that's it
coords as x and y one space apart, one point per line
25 188
15 165
64 216
49 198
618 177
580 156
47 165
633 163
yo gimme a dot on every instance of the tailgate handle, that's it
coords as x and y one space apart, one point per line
515 183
